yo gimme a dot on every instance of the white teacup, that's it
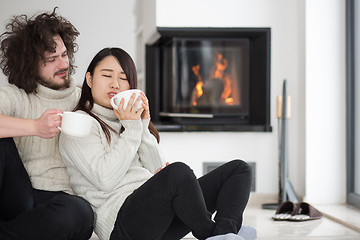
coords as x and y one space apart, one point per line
115 100
75 124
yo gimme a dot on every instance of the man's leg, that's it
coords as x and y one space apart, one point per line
16 192
56 216
31 214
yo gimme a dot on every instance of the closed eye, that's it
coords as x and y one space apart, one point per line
52 59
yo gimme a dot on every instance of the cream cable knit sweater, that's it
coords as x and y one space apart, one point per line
40 156
105 174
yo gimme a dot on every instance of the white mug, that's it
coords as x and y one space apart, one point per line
75 124
115 100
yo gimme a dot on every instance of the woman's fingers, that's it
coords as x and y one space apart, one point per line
131 102
129 113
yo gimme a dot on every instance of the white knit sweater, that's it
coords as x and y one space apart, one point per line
105 174
40 156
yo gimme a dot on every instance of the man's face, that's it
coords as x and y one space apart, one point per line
54 71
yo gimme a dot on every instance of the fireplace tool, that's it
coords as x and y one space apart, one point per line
286 190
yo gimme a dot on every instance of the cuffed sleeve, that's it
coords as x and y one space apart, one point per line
149 151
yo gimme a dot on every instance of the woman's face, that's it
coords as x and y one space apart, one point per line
108 80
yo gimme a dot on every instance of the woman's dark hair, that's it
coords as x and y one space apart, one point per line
86 101
25 41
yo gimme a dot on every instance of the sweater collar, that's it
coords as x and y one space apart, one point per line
104 112
49 93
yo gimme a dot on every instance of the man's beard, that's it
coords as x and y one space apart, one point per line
50 83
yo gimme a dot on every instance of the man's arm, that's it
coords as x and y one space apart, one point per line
46 126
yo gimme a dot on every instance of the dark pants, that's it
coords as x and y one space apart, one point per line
27 213
173 202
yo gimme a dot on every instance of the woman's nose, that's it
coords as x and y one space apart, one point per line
115 84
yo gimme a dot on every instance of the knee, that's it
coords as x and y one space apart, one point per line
75 213
7 145
6 141
241 167
179 168
179 171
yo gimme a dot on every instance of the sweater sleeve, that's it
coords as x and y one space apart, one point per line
12 101
103 167
149 151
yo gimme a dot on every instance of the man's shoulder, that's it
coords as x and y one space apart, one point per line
11 89
11 86
11 100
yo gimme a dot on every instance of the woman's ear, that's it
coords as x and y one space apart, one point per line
88 79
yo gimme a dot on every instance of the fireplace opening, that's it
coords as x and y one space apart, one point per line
201 79
206 77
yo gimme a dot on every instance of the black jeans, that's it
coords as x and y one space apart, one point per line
173 202
30 214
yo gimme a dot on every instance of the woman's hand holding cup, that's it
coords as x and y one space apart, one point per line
131 104
145 103
131 111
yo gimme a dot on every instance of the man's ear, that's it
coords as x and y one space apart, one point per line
88 79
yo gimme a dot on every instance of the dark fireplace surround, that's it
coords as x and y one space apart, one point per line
209 79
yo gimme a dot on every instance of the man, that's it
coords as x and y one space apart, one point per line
35 194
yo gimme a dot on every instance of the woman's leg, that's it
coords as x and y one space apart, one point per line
173 193
226 190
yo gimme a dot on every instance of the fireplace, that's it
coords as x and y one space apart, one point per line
209 79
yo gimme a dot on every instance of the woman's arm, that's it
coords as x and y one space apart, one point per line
149 151
103 167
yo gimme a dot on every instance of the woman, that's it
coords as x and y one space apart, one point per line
117 168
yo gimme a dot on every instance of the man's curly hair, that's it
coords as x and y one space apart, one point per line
25 41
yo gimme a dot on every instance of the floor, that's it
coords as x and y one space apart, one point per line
340 222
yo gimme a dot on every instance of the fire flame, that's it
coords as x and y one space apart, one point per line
217 71
199 91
